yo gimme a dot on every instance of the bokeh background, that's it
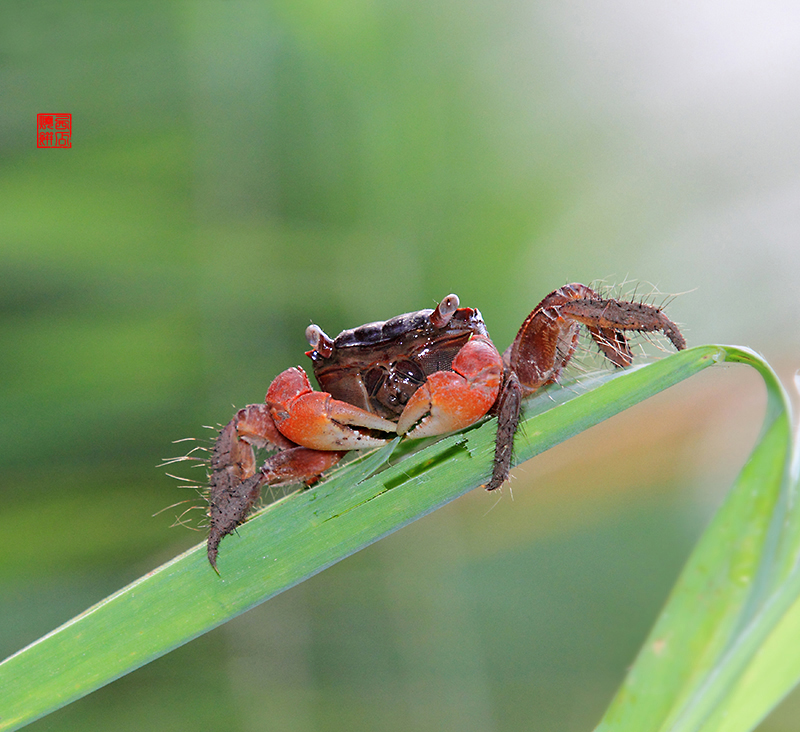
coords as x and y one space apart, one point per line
240 169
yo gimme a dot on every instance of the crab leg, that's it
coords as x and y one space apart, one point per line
235 484
549 335
546 342
507 408
451 400
308 430
606 319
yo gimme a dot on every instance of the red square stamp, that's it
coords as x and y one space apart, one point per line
53 130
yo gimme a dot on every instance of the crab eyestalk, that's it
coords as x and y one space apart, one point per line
444 311
319 341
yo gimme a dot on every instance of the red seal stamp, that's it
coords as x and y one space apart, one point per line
53 130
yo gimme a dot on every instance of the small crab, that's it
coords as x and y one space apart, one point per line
420 374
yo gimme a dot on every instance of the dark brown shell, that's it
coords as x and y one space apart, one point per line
378 366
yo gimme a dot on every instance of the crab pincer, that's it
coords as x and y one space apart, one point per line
452 400
319 421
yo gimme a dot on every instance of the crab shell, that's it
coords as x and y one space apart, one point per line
422 374
379 366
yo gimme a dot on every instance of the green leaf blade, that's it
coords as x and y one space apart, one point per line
731 595
297 537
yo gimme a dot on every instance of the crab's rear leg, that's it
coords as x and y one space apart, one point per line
235 483
547 341
606 321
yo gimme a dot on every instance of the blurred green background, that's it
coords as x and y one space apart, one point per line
240 169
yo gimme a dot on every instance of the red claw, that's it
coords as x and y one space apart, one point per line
452 400
315 419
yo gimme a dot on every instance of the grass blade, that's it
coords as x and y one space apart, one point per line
736 600
297 537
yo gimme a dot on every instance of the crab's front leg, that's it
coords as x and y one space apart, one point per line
235 483
452 400
310 432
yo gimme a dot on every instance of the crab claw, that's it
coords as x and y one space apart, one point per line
315 419
452 400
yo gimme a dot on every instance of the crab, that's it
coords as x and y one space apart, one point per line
420 374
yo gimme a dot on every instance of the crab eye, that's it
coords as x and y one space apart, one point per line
444 311
319 341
